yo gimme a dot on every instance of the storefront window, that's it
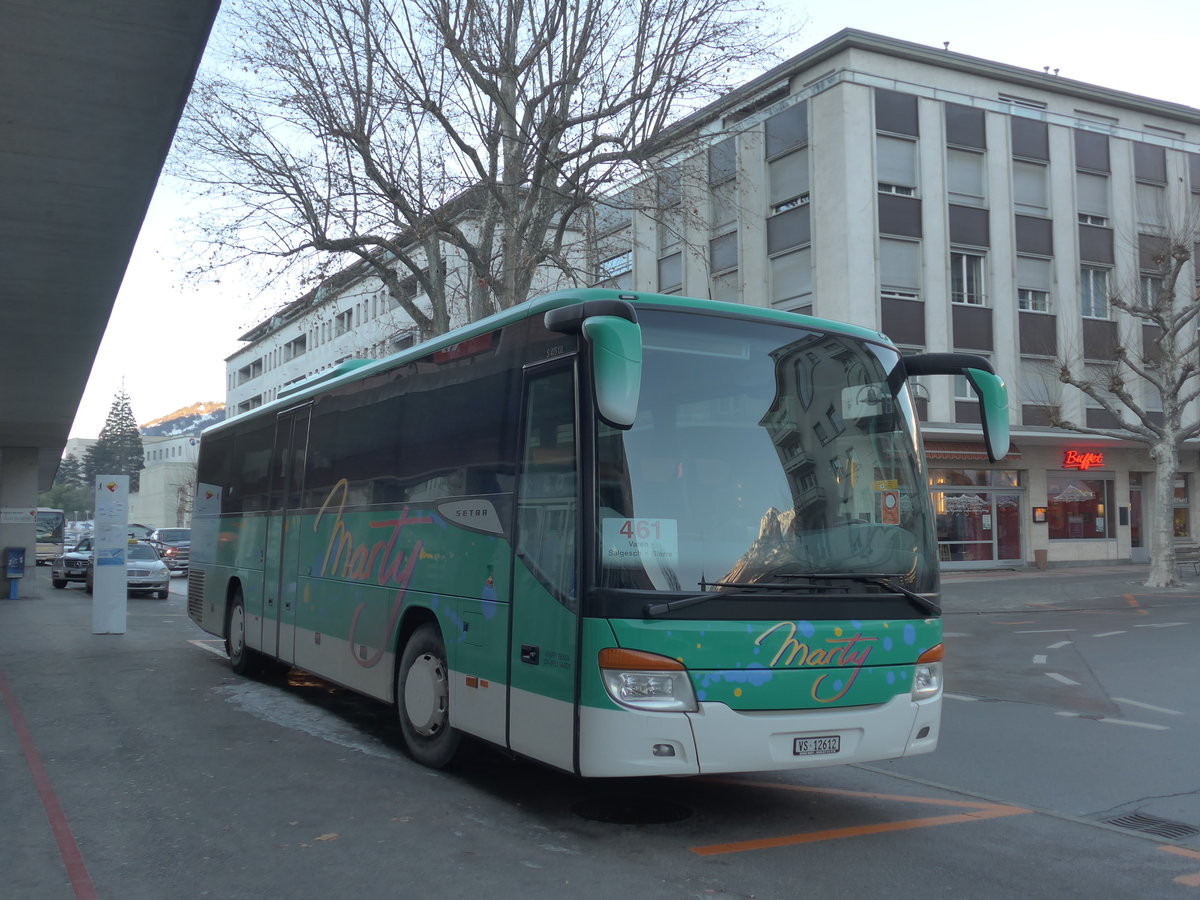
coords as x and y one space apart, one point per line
980 477
1079 508
978 514
1182 508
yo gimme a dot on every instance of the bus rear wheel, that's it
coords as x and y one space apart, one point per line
423 699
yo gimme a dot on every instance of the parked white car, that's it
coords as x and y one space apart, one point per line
145 571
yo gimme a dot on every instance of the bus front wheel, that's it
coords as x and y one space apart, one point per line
423 699
242 659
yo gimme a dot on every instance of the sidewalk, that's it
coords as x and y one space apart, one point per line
990 590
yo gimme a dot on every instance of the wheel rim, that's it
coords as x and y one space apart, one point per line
237 632
425 695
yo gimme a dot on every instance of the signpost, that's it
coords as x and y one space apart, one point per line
110 583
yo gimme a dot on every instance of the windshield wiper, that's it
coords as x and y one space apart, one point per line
884 580
742 587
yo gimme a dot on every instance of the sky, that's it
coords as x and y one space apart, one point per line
167 339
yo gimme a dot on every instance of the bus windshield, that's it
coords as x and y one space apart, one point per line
762 454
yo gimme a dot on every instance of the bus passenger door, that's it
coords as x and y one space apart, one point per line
543 652
280 593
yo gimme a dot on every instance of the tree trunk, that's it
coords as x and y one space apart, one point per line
1163 571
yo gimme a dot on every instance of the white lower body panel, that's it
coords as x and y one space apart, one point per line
719 739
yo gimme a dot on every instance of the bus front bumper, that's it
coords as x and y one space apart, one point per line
718 739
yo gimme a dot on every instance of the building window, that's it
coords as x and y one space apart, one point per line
896 165
1091 151
1030 193
1030 138
295 348
896 112
965 177
965 126
617 271
1079 508
723 252
791 278
1151 205
1150 286
1091 198
791 228
1183 507
789 182
1033 284
787 130
1093 292
722 183
247 372
670 272
966 279
899 268
343 323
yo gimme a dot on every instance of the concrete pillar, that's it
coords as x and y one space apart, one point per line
18 490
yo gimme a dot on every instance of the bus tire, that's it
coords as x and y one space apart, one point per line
423 699
242 659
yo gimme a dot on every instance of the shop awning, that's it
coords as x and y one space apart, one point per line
965 450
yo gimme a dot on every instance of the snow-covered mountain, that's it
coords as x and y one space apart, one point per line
188 420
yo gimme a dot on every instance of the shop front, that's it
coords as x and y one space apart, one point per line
1052 502
979 509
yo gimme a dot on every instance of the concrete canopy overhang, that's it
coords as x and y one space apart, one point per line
90 96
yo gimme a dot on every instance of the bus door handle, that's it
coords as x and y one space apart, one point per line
530 654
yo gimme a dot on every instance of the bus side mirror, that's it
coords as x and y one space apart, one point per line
989 387
612 331
616 367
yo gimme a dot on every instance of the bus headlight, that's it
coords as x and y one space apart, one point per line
648 681
927 677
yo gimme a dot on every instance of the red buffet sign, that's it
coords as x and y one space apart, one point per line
1082 459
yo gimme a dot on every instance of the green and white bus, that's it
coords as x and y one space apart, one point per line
622 534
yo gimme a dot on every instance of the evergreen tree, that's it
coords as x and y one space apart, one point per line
118 450
70 472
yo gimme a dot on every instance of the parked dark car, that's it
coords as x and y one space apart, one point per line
73 564
174 545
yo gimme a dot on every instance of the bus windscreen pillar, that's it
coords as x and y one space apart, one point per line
111 541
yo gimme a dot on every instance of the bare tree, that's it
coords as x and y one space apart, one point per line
433 137
1152 384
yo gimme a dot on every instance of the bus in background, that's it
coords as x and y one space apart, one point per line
622 534
51 526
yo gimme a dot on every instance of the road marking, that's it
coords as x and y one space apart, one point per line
1149 706
73 862
950 696
955 634
1186 880
1062 679
1161 625
977 812
1039 659
1107 721
1049 631
1109 633
1132 601
218 650
1060 645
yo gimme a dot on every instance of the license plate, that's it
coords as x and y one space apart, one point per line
816 746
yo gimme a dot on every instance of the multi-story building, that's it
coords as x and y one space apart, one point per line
955 204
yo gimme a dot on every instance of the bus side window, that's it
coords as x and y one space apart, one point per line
547 507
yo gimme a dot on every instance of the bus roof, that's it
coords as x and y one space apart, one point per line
354 369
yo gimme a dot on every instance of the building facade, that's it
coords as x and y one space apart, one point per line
955 204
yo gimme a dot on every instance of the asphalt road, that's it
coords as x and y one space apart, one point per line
139 766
